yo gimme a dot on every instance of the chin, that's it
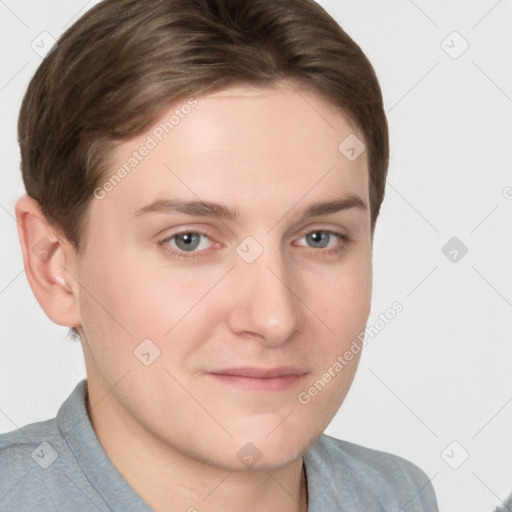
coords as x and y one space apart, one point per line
253 450
264 451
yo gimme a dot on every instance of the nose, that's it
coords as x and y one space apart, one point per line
263 301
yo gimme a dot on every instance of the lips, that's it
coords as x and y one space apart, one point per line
261 373
260 379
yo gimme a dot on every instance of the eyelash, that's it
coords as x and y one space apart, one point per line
345 240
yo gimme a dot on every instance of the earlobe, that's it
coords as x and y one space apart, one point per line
46 264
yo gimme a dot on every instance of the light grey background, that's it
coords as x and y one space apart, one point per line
440 372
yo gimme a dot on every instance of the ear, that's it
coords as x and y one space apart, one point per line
49 261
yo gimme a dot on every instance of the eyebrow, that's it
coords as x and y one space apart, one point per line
211 209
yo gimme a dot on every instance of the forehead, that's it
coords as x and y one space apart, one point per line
244 145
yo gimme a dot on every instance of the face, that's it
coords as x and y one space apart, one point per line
217 327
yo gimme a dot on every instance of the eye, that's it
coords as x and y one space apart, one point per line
186 242
325 239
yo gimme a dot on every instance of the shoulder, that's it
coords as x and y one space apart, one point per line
25 454
383 478
21 446
39 471
359 457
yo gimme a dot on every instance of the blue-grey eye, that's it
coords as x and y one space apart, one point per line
318 239
187 241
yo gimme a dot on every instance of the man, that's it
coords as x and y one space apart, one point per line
203 182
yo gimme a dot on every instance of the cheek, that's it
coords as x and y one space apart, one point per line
136 300
343 304
165 300
342 299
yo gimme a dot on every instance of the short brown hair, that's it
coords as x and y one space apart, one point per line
125 61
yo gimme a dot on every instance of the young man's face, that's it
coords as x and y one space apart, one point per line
269 289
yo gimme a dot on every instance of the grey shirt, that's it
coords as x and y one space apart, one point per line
60 464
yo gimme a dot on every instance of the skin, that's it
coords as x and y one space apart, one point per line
268 153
